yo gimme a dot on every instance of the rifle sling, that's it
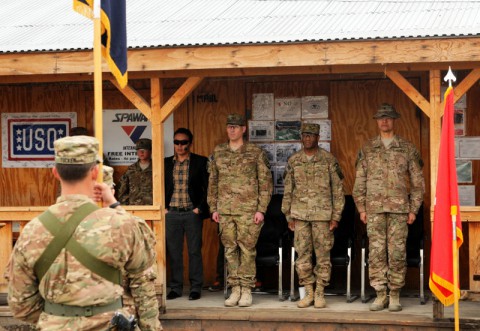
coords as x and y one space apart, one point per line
63 239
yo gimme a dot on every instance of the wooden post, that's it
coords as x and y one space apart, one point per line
5 252
435 130
156 89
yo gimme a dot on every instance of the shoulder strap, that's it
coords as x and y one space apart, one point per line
63 239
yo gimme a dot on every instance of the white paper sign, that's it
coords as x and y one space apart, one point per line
466 195
121 130
263 106
315 106
261 130
288 109
269 149
468 148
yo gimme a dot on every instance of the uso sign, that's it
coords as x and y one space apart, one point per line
27 138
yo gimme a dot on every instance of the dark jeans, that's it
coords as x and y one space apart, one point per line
179 224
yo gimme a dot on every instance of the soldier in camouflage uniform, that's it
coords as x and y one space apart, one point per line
135 186
239 190
69 294
313 202
386 167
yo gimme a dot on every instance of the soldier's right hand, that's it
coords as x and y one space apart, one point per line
216 217
103 192
363 217
291 225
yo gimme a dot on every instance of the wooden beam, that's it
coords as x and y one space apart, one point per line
435 111
325 71
156 95
15 213
317 54
135 98
409 90
179 96
466 84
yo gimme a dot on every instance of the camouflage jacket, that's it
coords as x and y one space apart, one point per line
240 181
135 186
313 188
389 180
113 236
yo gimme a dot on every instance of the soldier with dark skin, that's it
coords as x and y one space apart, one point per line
239 190
388 193
71 292
135 186
313 202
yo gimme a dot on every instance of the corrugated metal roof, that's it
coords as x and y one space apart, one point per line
53 25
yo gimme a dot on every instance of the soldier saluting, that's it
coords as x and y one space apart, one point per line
239 190
69 267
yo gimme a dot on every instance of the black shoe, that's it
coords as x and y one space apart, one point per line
173 295
194 295
215 287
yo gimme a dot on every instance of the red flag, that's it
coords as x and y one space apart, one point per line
446 205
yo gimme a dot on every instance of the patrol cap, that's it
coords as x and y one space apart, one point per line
144 143
236 119
386 110
310 128
108 175
76 150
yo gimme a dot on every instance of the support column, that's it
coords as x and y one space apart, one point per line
156 90
435 132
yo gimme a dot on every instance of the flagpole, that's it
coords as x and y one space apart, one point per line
455 268
97 82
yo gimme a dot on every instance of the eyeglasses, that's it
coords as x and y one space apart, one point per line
181 142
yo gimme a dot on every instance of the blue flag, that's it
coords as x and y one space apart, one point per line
114 34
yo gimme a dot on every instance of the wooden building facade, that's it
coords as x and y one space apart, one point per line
356 75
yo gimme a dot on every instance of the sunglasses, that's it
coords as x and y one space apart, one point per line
181 142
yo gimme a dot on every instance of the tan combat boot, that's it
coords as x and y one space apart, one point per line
394 304
232 300
319 297
246 297
308 299
380 302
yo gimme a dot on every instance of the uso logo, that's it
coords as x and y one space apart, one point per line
32 139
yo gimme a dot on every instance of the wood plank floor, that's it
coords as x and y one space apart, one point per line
268 313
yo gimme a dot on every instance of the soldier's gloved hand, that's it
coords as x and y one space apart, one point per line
258 218
363 217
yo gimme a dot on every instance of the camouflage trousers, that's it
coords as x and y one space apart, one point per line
387 235
239 235
313 236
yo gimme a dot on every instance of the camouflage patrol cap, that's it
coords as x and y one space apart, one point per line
108 175
144 143
236 119
386 110
76 150
310 128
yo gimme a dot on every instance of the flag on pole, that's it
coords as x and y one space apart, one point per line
446 205
114 34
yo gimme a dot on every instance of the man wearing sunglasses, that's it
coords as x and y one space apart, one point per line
239 191
186 182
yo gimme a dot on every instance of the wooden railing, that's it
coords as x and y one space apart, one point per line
13 219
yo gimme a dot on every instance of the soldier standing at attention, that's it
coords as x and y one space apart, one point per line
313 202
387 166
239 190
135 186
66 269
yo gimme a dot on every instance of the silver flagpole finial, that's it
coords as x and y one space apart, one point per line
450 77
